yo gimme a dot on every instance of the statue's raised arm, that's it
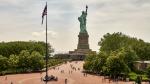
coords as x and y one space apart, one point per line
86 8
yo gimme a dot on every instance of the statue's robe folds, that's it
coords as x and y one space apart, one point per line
82 20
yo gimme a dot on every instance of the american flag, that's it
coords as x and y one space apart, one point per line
44 12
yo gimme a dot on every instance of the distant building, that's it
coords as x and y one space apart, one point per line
141 65
62 56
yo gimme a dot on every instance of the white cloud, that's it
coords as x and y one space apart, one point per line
52 34
10 1
36 34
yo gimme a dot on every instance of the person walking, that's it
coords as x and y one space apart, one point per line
138 80
6 78
66 81
41 79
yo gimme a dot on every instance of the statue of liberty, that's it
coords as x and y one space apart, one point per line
82 20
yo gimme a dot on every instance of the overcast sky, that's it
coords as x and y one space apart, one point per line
21 20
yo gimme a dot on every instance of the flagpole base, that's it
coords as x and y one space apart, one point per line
50 78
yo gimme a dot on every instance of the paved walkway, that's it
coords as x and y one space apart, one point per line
70 71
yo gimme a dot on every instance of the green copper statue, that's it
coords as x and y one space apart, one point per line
82 20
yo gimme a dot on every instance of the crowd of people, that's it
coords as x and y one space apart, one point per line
73 68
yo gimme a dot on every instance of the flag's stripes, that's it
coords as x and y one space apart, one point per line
44 13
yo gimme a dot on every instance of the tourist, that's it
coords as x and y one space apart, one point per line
69 71
149 81
66 81
109 80
6 78
138 80
41 79
86 74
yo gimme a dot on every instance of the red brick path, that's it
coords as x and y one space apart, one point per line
77 77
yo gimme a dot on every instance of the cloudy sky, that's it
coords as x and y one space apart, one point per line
21 20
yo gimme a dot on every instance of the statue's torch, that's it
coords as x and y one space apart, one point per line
86 8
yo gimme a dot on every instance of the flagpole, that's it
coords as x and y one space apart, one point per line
46 77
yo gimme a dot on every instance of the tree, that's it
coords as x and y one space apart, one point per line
116 41
128 55
116 66
37 61
117 55
3 63
88 65
94 62
13 62
24 60
148 71
15 47
99 62
112 42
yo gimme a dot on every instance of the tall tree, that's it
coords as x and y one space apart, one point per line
37 61
9 48
3 63
115 41
24 60
116 66
13 62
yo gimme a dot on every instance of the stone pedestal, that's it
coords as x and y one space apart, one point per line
83 41
82 48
